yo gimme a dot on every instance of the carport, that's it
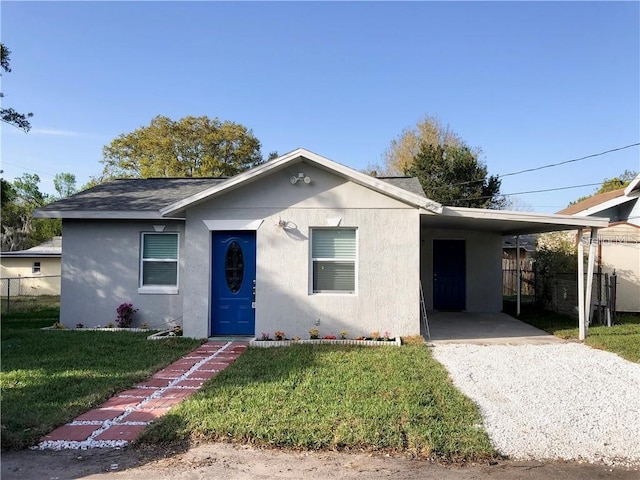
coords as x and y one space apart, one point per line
484 329
460 261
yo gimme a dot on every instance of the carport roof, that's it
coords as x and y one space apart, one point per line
506 222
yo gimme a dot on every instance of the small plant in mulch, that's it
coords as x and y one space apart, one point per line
264 336
110 325
79 325
386 337
314 333
144 326
58 326
343 334
279 335
375 336
125 313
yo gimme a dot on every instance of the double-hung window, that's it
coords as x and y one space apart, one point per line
35 269
333 259
159 262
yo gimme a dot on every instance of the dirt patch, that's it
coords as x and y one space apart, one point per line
244 462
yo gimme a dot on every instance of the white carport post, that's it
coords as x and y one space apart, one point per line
582 330
518 275
593 241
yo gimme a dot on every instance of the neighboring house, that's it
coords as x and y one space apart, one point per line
35 271
619 243
527 245
297 243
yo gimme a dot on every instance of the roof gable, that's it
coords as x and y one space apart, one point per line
292 158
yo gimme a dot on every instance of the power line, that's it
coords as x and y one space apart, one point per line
542 167
568 161
527 192
31 169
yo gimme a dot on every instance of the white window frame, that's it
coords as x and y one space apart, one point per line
36 268
158 289
355 262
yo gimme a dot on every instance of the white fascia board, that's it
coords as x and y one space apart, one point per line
634 186
509 215
97 215
614 202
281 162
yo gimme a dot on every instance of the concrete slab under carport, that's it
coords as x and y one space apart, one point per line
484 329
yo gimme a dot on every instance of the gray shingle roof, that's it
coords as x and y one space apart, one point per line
133 194
153 194
410 184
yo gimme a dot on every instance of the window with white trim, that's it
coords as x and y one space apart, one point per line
36 268
333 260
159 260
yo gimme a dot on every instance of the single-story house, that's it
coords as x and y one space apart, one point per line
618 243
35 271
299 242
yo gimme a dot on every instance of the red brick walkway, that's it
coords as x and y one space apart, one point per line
122 418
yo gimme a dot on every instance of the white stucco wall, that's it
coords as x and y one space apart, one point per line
483 267
100 270
387 297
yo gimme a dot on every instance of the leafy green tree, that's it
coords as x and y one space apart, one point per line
7 191
9 115
556 253
402 150
454 176
19 229
621 181
65 184
189 147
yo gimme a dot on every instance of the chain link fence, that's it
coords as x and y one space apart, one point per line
25 288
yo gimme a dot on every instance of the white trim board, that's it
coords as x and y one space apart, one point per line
231 225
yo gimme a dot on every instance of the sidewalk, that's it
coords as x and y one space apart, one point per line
122 418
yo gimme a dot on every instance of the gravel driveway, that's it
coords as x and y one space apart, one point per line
563 401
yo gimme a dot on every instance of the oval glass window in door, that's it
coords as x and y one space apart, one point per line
234 267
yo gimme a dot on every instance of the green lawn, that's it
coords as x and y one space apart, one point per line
622 338
332 397
49 377
384 399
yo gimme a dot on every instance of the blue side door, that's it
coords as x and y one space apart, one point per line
233 283
449 275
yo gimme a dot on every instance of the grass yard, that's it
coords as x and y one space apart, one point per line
49 377
622 338
332 397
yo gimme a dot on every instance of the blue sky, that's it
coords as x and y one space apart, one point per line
529 83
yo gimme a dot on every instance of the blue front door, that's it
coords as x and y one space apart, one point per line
233 283
449 275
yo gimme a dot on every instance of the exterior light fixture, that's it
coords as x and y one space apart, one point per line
300 177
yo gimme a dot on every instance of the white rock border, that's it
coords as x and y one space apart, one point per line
97 329
161 335
324 341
